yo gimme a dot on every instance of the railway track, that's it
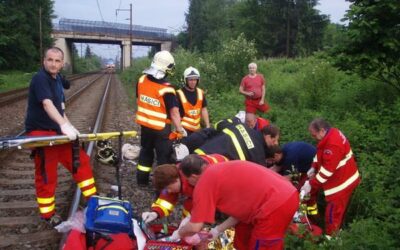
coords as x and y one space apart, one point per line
20 225
15 95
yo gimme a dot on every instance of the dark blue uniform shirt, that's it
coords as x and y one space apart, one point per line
43 86
299 154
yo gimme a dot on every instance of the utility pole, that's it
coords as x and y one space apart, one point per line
130 29
40 35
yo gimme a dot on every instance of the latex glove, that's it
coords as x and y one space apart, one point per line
148 217
76 131
183 132
311 172
306 188
215 233
69 130
184 221
175 236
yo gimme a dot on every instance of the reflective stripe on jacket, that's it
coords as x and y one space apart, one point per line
151 111
192 113
337 171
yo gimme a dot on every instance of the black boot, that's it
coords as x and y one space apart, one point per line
142 178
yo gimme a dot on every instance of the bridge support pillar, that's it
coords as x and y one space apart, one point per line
66 48
166 46
126 54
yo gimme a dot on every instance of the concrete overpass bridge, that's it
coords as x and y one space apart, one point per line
69 31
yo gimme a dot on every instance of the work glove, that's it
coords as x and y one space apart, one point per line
215 233
177 135
311 172
306 188
69 130
148 217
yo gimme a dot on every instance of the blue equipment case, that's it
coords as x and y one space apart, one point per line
107 215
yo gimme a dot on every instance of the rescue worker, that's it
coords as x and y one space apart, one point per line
192 102
170 181
46 116
334 170
260 203
256 122
239 142
157 107
293 161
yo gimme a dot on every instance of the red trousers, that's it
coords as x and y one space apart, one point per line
269 232
334 211
47 159
252 105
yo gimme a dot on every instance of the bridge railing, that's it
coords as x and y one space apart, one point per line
111 29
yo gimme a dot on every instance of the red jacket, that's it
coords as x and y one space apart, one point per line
166 202
261 123
336 168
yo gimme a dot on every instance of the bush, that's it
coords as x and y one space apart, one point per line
10 80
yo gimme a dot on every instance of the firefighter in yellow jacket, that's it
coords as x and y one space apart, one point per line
192 102
157 107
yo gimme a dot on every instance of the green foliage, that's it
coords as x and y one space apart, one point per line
20 33
372 44
234 57
367 234
87 64
278 28
10 80
333 35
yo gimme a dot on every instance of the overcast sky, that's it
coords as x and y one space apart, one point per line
168 14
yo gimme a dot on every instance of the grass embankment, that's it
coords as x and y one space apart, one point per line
10 80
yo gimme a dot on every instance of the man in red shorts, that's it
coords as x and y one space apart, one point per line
260 203
253 88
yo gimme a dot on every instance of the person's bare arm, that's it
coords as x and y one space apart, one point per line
262 95
176 118
53 113
245 93
205 117
190 228
228 223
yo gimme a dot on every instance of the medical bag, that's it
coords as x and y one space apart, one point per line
107 215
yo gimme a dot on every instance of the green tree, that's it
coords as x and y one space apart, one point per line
88 52
372 44
282 28
207 24
20 32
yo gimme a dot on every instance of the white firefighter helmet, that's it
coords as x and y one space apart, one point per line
162 65
191 73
